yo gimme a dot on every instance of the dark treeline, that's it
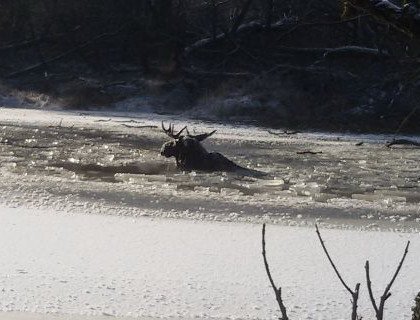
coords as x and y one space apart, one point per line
150 32
336 62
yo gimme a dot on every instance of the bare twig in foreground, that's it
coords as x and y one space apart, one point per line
355 293
416 308
380 310
277 291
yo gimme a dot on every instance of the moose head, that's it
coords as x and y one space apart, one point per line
186 148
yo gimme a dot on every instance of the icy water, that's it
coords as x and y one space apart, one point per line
111 164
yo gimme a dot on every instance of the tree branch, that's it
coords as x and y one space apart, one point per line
344 50
369 285
380 310
386 293
355 293
403 18
243 28
277 291
240 18
64 54
36 41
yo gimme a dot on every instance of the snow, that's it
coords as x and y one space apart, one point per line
53 316
140 267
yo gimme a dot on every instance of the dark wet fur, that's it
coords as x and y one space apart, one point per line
190 155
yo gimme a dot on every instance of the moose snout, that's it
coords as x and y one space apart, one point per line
168 149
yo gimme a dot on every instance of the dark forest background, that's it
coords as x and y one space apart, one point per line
329 64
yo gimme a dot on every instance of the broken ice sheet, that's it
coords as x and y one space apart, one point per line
330 180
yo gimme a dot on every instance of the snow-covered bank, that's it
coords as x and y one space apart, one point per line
142 267
108 118
57 316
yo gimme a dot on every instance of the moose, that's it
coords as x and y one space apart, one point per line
191 155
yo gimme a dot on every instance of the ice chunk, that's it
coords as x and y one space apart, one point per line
378 198
306 189
186 186
410 196
323 197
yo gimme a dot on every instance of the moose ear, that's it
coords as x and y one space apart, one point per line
201 137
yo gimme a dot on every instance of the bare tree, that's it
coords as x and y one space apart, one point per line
354 293
379 310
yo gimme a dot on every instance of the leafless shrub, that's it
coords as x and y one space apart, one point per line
379 310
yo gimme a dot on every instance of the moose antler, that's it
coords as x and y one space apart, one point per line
200 137
170 131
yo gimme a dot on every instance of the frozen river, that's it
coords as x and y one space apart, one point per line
339 182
